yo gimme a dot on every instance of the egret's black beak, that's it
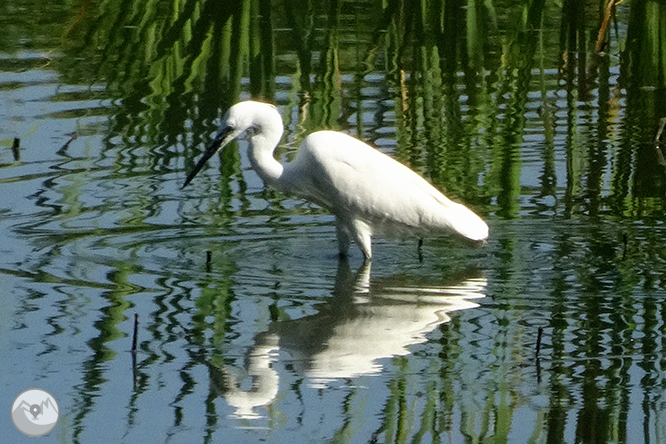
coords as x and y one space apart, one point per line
224 137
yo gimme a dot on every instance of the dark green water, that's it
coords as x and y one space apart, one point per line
250 330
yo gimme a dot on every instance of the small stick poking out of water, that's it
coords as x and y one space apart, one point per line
605 26
538 349
16 149
538 344
135 338
72 137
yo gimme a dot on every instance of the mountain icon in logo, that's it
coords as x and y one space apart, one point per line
35 412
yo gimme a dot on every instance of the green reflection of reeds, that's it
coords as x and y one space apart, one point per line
457 73
174 64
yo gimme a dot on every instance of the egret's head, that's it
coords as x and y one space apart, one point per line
250 118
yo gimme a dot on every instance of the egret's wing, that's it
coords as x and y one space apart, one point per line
353 179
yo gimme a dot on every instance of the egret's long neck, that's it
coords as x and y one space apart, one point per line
262 146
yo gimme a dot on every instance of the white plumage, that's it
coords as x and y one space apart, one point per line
366 190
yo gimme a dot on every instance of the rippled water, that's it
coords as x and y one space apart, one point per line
250 329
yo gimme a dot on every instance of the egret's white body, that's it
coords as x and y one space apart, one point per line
366 190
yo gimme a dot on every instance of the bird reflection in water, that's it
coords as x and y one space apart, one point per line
362 323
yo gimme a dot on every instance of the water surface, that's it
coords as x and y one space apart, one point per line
249 328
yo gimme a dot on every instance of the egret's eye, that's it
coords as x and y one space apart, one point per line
251 131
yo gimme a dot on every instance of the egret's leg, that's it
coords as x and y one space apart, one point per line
363 237
343 237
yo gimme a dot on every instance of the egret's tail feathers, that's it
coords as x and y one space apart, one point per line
465 222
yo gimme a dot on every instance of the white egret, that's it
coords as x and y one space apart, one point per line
366 190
